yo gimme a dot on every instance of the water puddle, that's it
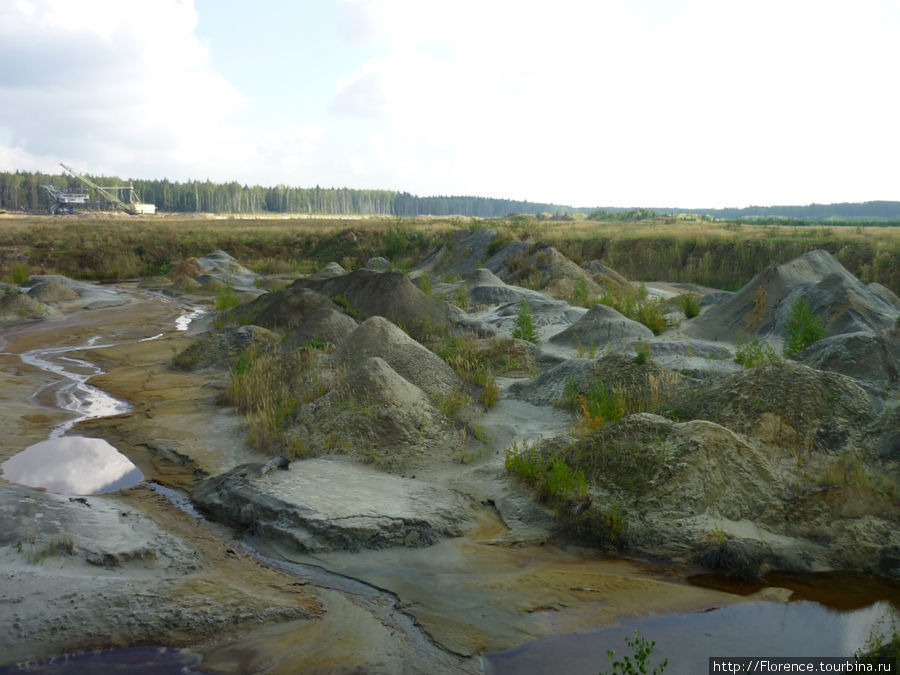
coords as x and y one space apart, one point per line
75 464
802 629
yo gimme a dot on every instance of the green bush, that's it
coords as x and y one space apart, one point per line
803 327
523 326
19 273
580 293
643 353
689 303
226 299
639 661
753 354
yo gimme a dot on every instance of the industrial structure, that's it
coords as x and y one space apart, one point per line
66 200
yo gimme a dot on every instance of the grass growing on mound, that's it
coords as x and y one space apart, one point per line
638 306
268 387
461 353
753 354
689 303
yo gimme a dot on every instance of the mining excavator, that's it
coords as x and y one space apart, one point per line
66 200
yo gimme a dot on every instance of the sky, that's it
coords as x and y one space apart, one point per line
690 103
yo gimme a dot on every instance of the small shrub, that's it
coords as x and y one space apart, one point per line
689 303
226 299
580 293
643 353
19 273
491 391
450 404
523 327
753 354
562 483
639 660
803 327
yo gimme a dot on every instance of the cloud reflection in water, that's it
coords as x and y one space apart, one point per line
72 465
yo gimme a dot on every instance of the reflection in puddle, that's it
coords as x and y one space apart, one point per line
72 465
688 640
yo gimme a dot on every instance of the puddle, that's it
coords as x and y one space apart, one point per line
802 629
72 465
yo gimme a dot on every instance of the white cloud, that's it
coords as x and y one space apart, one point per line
631 102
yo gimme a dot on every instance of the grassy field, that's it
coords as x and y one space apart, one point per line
721 254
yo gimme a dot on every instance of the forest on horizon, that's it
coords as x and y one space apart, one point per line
21 191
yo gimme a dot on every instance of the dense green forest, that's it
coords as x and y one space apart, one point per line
21 191
864 211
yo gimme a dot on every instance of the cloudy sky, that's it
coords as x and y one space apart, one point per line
699 103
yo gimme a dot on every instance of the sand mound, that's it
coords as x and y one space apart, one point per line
378 264
842 302
885 293
606 275
388 294
298 312
862 356
698 491
220 262
676 470
545 266
378 417
330 271
600 326
50 291
20 307
463 253
787 405
487 289
379 337
221 348
643 386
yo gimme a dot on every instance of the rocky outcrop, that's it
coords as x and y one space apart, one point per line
301 508
864 356
87 296
221 348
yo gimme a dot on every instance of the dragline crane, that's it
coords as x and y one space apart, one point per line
119 196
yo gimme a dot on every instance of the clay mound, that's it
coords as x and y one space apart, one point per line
50 291
388 294
210 285
644 386
545 266
549 388
862 356
300 313
330 271
464 252
20 306
378 264
885 293
219 262
842 302
379 337
182 284
221 348
90 296
787 405
301 508
677 470
378 417
606 275
600 326
487 289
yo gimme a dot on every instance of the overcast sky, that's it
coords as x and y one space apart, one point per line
693 103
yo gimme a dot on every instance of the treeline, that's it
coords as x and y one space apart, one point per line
21 191
861 211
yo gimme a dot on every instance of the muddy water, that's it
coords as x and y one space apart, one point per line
75 464
768 629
